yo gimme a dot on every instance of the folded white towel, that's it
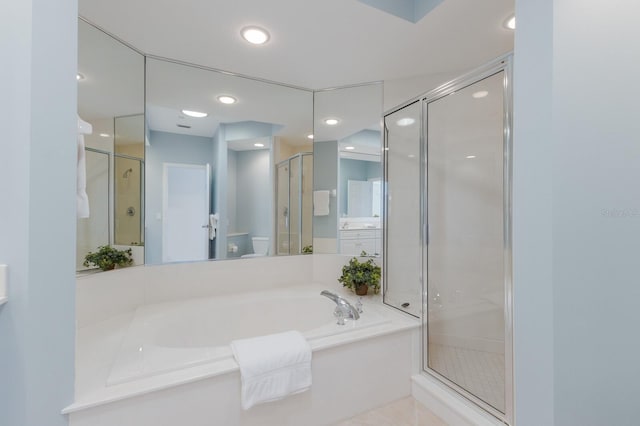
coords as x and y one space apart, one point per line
272 367
320 203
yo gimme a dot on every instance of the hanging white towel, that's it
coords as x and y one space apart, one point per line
272 367
321 203
82 199
213 225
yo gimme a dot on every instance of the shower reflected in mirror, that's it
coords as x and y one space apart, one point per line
111 99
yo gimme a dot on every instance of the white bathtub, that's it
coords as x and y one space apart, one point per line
169 336
183 317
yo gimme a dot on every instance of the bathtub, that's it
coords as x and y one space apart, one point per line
154 352
170 336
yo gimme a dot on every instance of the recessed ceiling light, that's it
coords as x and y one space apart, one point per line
79 77
194 114
470 156
226 99
259 145
310 136
480 94
408 121
510 23
255 35
350 148
331 121
411 156
105 135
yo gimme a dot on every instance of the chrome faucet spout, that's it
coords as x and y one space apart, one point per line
344 309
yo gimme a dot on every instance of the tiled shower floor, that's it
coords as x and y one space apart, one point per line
479 372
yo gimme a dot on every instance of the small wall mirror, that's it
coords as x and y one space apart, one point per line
228 165
347 187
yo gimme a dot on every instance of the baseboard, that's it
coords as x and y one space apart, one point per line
447 404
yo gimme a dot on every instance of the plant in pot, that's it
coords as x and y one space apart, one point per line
359 276
107 257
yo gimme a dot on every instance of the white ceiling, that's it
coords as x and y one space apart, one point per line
314 44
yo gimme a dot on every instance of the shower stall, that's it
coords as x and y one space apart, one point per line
294 206
115 187
448 226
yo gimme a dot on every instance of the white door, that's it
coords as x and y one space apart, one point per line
185 205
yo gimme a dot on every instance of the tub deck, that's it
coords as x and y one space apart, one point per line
99 347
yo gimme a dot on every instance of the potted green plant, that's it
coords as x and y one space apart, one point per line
359 276
107 257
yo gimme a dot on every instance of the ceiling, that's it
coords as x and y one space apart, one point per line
314 44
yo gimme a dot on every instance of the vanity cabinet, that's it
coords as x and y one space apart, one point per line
354 241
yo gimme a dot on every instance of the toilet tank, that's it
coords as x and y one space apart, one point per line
260 245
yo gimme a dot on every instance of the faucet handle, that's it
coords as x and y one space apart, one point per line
340 315
359 305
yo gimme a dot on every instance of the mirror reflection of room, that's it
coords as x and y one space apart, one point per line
216 145
348 144
111 104
359 190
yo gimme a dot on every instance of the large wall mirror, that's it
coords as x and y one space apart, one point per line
111 101
228 165
186 163
347 176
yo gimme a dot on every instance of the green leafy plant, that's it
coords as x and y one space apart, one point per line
307 249
107 257
356 274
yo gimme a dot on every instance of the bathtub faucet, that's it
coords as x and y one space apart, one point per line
344 309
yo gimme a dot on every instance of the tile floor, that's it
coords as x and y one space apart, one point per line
479 372
404 412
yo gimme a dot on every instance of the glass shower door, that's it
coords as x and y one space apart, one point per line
467 217
282 208
403 245
295 204
307 201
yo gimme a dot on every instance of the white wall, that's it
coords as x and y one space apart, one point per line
37 212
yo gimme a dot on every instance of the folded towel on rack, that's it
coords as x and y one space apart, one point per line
272 367
320 203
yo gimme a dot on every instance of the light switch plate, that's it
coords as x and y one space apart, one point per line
4 278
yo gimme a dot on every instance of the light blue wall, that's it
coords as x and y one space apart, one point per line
254 193
576 213
325 177
351 169
37 212
167 148
532 214
232 189
596 211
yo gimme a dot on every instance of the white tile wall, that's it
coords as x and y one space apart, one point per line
103 295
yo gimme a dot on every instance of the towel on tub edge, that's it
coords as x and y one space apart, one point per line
272 367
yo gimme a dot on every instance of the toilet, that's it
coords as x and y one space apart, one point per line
260 247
